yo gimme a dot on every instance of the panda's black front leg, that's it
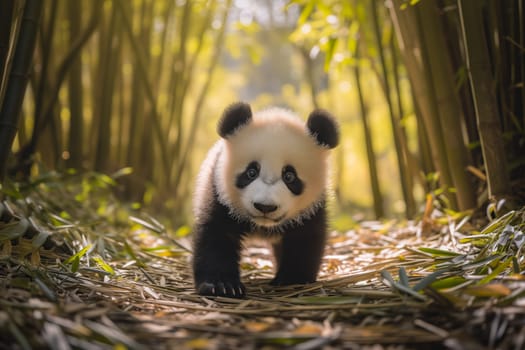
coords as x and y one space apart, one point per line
216 263
216 254
300 252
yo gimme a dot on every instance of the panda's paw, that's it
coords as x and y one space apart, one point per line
222 289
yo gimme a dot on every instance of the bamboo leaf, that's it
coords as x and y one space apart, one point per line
103 265
79 255
515 265
122 172
386 275
489 290
438 252
48 292
14 229
305 13
498 223
146 224
448 282
75 264
403 278
40 239
497 271
326 300
427 280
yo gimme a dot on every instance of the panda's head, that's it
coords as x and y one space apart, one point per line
273 167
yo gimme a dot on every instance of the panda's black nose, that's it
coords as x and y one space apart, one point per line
265 208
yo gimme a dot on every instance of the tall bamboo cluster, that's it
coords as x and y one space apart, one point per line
15 63
113 83
465 61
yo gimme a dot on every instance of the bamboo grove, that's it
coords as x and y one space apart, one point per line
127 84
465 61
111 86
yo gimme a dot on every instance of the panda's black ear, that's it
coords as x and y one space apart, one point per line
235 116
323 126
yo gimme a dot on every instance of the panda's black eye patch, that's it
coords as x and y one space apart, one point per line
248 175
291 180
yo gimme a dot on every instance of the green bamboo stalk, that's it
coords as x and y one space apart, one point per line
412 172
47 32
425 155
309 75
108 69
144 163
136 111
450 113
412 46
179 78
12 17
132 149
372 164
75 92
482 82
447 103
185 80
141 66
25 154
396 128
6 24
17 81
219 43
521 25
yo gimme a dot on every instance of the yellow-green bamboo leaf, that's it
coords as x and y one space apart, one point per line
104 265
489 290
79 255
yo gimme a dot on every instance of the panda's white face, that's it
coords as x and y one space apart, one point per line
272 171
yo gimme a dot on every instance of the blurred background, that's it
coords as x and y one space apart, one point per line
134 89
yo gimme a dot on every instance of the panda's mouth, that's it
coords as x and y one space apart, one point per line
264 220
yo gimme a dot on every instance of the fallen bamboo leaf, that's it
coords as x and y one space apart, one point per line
489 290
79 255
103 265
439 252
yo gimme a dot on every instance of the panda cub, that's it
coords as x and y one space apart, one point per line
266 177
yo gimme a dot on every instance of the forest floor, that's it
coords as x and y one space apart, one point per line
80 270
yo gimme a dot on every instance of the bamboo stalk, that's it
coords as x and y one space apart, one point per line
107 69
75 92
412 172
46 40
396 128
482 82
372 165
6 24
449 111
141 65
139 125
179 78
521 25
412 46
202 96
309 74
17 81
425 155
25 154
145 165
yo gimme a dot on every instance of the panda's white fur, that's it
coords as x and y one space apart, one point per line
274 138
